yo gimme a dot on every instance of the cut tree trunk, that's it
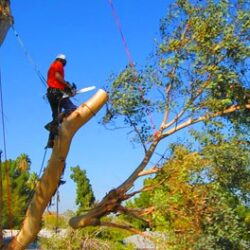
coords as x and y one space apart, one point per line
48 184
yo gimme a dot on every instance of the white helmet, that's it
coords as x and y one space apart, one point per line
61 56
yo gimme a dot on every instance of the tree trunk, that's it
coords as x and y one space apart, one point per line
50 179
1 201
6 19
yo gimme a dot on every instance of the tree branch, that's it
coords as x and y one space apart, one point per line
152 170
132 213
188 103
111 202
138 133
145 189
113 199
50 179
165 118
203 118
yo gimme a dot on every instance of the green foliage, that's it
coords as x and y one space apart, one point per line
200 68
127 99
229 159
84 193
209 44
90 238
51 221
19 187
203 56
202 203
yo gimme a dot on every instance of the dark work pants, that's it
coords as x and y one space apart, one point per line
57 104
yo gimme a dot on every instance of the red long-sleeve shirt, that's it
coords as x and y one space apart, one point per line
52 81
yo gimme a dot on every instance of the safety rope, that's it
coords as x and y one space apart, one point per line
118 24
42 165
32 191
40 76
131 62
29 57
8 187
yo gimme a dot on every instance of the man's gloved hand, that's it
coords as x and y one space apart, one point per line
74 85
70 89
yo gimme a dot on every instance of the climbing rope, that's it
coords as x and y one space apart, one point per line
8 184
42 165
8 187
131 62
29 57
2 115
118 24
38 73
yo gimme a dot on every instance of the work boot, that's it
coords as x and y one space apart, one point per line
52 127
50 144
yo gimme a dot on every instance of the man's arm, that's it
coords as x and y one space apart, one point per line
61 80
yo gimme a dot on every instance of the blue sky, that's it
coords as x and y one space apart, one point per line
86 32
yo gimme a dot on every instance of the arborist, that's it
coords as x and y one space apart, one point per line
57 88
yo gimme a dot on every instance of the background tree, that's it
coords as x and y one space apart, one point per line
52 221
19 175
199 75
84 194
191 202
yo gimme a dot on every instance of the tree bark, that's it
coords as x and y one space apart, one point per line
112 201
1 201
50 179
6 19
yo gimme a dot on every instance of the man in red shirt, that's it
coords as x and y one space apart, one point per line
57 87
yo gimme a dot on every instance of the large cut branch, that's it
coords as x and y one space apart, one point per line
50 179
112 201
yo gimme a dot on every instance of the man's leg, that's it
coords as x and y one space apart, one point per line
54 101
68 106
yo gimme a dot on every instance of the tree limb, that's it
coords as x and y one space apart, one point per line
191 121
111 202
152 170
50 179
165 118
138 133
132 213
188 103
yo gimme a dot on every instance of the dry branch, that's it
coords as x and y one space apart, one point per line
152 170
